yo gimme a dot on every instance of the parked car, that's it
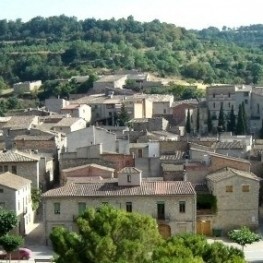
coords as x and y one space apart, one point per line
21 253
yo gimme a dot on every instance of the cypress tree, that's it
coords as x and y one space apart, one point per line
188 122
221 119
198 120
261 131
209 121
232 120
240 122
244 118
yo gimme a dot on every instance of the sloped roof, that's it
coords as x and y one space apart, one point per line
19 122
66 122
13 181
227 173
99 189
130 170
16 156
89 165
34 138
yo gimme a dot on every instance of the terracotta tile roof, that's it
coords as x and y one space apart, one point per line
16 156
178 155
65 122
227 173
19 122
147 188
229 145
13 181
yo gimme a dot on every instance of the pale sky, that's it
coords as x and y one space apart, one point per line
191 14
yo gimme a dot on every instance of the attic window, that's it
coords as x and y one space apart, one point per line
245 188
128 178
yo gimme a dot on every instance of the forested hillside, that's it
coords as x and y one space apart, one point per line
59 47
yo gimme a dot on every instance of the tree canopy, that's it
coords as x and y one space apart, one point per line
107 235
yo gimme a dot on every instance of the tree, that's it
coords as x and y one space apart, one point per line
240 128
232 121
195 248
107 235
10 243
8 221
209 121
261 131
198 120
244 117
188 122
123 116
36 198
243 236
221 119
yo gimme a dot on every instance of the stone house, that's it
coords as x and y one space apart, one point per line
149 124
55 104
15 195
27 86
78 111
37 169
172 204
237 194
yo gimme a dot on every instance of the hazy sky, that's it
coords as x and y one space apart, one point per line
187 13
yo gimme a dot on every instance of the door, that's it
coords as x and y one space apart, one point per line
164 230
203 227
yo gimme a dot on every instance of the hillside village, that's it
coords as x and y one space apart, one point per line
139 152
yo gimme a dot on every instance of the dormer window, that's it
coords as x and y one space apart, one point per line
128 178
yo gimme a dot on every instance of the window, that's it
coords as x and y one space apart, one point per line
160 210
258 108
164 111
246 94
229 95
14 171
128 178
246 101
1 169
1 190
182 206
214 105
229 105
5 168
129 206
214 95
245 188
81 207
229 188
56 208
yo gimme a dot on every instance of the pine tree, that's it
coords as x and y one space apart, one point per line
232 120
197 120
240 122
188 122
221 119
209 122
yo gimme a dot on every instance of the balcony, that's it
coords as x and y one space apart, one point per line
162 217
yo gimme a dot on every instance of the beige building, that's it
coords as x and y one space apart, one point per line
15 195
237 194
172 204
109 82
